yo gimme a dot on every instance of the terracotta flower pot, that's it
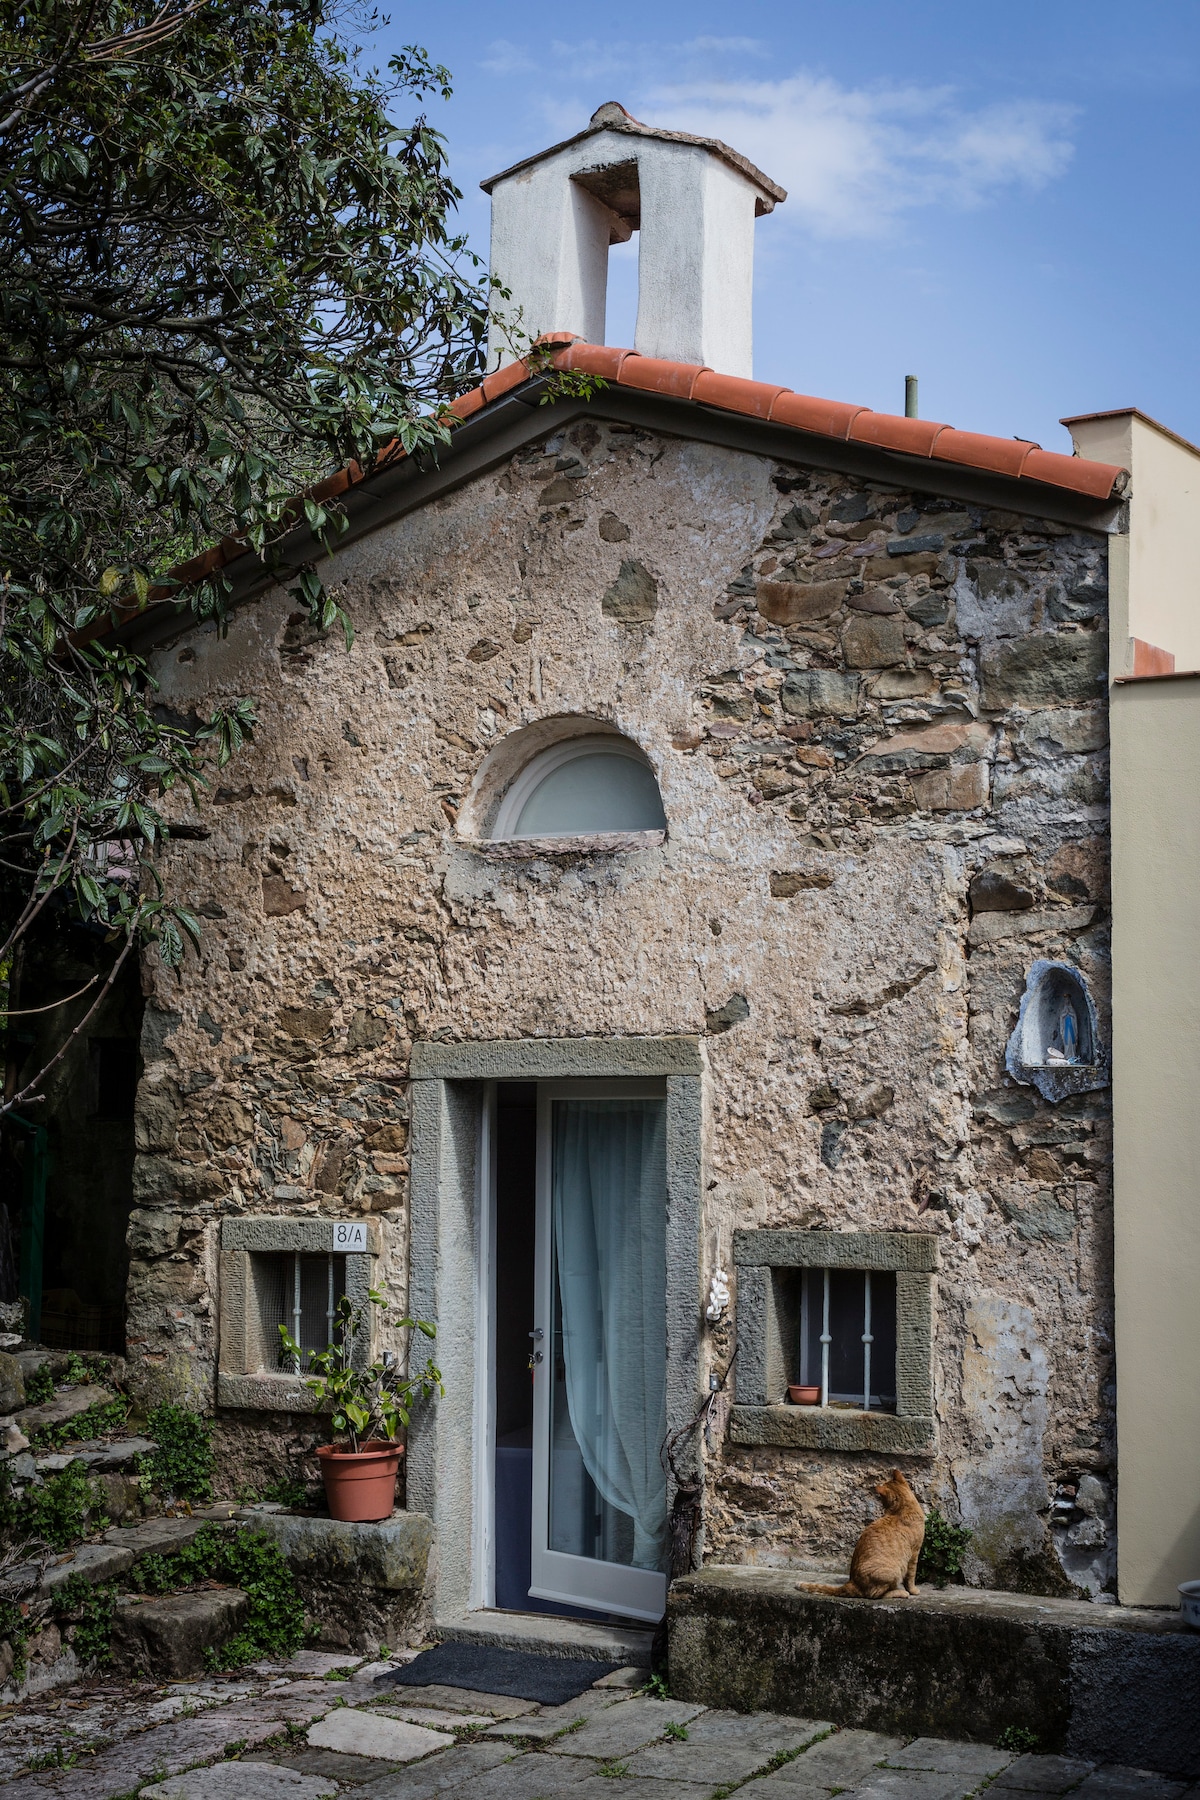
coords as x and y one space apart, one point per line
360 1484
804 1396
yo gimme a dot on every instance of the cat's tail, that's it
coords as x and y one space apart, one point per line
823 1587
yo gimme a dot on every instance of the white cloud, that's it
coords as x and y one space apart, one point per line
855 160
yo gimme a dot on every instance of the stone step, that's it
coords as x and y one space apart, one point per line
1107 1683
65 1406
166 1635
542 1634
116 1553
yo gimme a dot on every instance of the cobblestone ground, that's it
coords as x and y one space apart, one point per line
320 1726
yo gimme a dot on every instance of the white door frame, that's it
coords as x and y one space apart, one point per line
557 1575
444 1441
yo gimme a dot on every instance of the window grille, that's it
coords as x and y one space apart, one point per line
301 1292
848 1337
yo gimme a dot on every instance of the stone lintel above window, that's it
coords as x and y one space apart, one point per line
251 1249
768 1322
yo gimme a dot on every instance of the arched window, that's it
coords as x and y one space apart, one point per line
580 787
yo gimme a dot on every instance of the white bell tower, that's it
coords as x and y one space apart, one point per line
693 199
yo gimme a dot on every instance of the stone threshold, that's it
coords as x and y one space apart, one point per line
543 1634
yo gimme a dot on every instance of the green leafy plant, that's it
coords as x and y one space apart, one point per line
14 1631
616 1771
656 1688
39 1387
678 1732
89 1610
942 1550
61 1509
287 1491
274 1625
97 1421
373 1401
182 1462
1017 1737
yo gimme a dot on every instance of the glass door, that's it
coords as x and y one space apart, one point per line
599 1348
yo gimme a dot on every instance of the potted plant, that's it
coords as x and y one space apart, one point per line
368 1405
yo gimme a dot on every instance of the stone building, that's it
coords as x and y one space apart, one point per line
694 877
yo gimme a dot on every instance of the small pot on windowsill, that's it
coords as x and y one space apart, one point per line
360 1485
1189 1603
804 1396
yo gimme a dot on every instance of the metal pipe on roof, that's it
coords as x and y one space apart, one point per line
910 397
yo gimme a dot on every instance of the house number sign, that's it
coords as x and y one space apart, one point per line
349 1236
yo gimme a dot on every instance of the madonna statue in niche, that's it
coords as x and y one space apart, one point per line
1056 1045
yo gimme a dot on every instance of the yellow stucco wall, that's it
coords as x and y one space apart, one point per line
1154 574
1155 727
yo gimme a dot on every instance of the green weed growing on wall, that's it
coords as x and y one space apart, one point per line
182 1461
942 1551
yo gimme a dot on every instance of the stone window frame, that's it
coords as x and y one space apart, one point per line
764 1317
241 1239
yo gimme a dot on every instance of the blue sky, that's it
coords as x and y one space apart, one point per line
1002 200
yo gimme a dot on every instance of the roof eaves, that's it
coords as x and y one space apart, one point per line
920 439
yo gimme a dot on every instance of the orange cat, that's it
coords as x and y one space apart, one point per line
884 1564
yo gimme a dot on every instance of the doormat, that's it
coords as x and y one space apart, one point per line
551 1680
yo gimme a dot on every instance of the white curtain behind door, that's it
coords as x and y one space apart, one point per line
609 1190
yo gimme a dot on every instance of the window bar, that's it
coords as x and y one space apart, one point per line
296 1307
329 1308
826 1340
867 1340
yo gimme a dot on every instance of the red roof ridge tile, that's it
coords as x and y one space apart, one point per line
838 419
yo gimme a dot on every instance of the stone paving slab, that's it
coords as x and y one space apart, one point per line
623 1678
149 1756
714 1764
601 1787
347 1770
375 1734
1043 1774
841 1761
530 1777
1113 1782
242 1781
156 1537
466 1700
917 1784
440 1774
548 1721
620 1730
950 1757
436 1717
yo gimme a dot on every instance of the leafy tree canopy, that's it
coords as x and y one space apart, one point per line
224 271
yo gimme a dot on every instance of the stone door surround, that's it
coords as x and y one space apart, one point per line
766 1321
445 1474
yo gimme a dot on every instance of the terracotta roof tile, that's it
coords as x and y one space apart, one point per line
736 395
837 419
890 431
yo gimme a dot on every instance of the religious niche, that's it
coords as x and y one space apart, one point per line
1056 1045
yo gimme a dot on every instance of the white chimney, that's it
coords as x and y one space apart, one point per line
693 199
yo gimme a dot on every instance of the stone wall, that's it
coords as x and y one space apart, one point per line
879 726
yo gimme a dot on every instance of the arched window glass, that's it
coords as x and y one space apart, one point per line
582 787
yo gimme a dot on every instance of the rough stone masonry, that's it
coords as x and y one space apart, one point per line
878 721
